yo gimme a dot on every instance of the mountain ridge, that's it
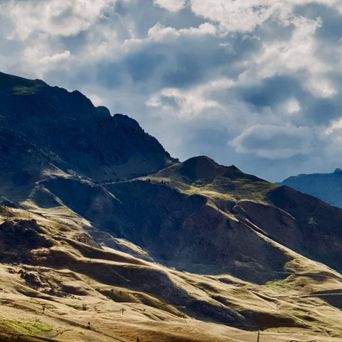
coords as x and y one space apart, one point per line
66 124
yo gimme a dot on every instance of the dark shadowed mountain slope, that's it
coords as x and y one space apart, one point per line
212 219
326 186
73 134
183 230
231 213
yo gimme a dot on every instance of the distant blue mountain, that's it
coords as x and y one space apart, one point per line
325 186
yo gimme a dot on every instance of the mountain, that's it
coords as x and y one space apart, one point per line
105 237
64 130
326 186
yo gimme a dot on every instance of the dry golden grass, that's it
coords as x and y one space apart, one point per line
77 292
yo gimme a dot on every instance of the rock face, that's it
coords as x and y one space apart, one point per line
325 186
25 235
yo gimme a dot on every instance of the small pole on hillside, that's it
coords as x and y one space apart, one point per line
258 340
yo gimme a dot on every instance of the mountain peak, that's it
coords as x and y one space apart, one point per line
203 169
125 120
200 168
16 83
201 161
103 111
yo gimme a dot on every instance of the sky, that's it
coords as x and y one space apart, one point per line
254 83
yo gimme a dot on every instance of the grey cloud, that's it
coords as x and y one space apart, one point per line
144 14
141 66
272 90
274 142
331 28
323 111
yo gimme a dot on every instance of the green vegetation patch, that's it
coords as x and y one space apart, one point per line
277 285
244 189
25 90
30 328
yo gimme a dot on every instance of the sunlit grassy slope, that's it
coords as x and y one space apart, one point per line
61 285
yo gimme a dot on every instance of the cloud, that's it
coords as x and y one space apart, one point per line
335 127
160 32
246 16
62 18
243 16
274 142
190 103
291 106
256 83
171 5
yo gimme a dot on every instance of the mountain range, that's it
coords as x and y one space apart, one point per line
106 237
326 186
